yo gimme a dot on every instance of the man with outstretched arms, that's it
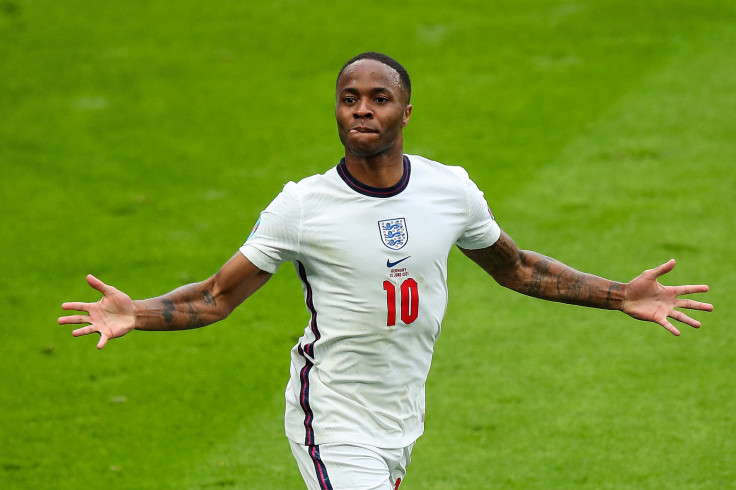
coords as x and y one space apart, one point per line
369 240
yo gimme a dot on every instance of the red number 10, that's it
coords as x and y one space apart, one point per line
409 301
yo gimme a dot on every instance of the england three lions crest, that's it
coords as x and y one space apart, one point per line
393 233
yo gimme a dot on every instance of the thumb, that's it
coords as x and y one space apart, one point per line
664 268
98 285
102 342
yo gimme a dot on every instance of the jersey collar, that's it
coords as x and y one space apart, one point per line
366 190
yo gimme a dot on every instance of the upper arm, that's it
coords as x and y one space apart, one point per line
236 280
498 260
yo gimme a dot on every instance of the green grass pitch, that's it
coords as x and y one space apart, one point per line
139 140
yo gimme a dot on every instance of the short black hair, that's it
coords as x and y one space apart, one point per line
404 79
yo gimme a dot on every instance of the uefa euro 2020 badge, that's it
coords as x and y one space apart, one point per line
393 233
255 227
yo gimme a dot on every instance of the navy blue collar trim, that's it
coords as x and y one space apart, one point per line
367 190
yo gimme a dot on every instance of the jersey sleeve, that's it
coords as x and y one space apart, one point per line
275 236
481 229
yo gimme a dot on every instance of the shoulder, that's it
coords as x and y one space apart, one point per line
436 169
433 176
311 184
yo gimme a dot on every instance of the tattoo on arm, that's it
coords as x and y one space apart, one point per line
540 270
613 288
542 277
192 317
573 287
505 252
190 306
168 311
555 281
194 320
208 298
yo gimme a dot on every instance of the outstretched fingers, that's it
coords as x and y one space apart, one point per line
76 306
647 299
669 327
81 306
691 304
89 329
683 318
112 316
691 288
103 341
84 331
73 319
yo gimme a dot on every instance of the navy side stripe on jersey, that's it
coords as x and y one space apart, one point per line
308 353
304 401
366 190
320 469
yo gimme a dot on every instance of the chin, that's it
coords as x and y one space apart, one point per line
367 151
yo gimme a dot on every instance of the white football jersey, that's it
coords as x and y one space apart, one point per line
373 264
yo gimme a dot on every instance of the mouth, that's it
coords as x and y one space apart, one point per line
363 130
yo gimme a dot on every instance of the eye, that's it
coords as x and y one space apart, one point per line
382 99
348 99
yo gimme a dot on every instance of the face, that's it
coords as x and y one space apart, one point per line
371 108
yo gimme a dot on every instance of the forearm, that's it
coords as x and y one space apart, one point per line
545 278
539 276
542 277
191 306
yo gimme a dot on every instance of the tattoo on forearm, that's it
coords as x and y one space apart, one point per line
208 298
614 287
543 277
187 307
540 271
168 311
552 280
572 286
194 321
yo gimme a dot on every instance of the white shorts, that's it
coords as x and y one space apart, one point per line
351 466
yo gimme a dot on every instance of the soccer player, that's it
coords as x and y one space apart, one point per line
369 240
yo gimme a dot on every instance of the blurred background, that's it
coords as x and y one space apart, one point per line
139 141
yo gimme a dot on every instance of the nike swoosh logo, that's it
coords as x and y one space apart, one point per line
391 264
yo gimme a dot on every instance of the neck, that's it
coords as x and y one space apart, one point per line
382 171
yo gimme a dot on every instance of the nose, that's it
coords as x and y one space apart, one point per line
363 110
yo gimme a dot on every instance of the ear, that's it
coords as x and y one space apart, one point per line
407 114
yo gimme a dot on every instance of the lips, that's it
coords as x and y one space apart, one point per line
363 129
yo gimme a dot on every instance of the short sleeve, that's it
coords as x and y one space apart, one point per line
275 236
481 230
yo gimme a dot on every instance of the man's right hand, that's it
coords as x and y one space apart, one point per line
112 316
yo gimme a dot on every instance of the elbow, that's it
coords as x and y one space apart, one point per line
224 311
507 281
215 303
